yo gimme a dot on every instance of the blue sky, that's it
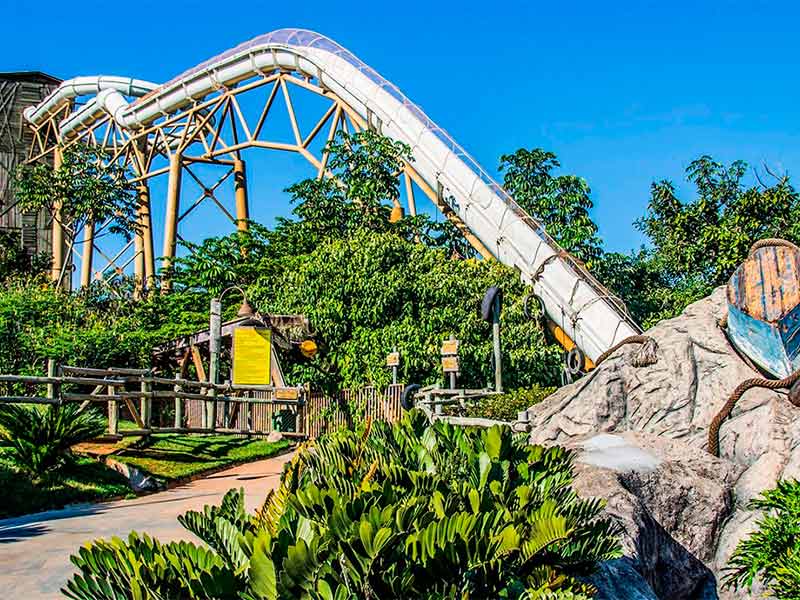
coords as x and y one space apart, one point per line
624 93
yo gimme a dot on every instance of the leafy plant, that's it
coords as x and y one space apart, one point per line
87 187
403 511
560 202
37 439
507 406
15 261
772 551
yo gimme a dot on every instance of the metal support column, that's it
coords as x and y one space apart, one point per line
57 227
87 254
171 223
240 190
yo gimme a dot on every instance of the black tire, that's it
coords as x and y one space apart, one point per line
407 397
487 305
575 361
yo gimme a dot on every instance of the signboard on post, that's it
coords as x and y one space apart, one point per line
251 355
393 359
450 364
449 347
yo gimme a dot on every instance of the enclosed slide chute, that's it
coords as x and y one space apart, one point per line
574 300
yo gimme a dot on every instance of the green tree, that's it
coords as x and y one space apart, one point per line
86 188
695 246
372 291
560 202
15 261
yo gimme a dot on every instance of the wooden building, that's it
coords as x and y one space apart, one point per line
19 90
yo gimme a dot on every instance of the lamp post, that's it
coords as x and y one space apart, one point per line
215 345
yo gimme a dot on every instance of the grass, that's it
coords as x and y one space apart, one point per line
174 456
170 457
86 480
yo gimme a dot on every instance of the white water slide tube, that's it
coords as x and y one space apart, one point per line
571 297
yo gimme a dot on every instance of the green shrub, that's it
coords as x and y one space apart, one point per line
403 511
507 406
37 439
772 551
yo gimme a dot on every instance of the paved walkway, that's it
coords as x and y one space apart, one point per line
35 549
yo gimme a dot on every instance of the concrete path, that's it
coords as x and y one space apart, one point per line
35 549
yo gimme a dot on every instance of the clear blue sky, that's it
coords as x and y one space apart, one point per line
624 92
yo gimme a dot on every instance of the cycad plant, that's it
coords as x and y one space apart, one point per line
37 439
405 511
772 552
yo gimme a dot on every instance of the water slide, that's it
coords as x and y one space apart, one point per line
572 298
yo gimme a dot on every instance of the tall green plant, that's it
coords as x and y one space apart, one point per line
38 439
772 552
404 511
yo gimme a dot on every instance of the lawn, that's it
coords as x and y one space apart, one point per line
87 480
174 456
169 457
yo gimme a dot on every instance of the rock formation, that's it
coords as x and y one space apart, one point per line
683 510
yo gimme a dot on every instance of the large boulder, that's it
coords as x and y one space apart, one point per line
675 399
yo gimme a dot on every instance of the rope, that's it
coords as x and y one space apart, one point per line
772 242
756 382
634 339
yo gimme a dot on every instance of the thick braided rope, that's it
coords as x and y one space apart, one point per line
770 384
772 242
633 339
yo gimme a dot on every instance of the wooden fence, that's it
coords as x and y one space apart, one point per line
159 404
316 415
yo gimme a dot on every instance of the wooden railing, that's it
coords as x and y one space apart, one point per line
190 406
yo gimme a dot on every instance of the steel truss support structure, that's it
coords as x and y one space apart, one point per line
211 113
215 132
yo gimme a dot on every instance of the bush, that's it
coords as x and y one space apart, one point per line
37 439
772 551
403 511
507 406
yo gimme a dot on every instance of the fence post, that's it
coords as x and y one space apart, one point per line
245 410
53 389
146 405
113 412
178 404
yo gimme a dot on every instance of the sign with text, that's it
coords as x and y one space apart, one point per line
251 355
450 364
393 359
449 347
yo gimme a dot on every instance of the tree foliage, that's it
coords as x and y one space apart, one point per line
560 202
86 187
772 552
15 261
405 511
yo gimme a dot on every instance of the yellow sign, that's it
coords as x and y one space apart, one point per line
393 359
251 354
450 364
287 393
449 347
